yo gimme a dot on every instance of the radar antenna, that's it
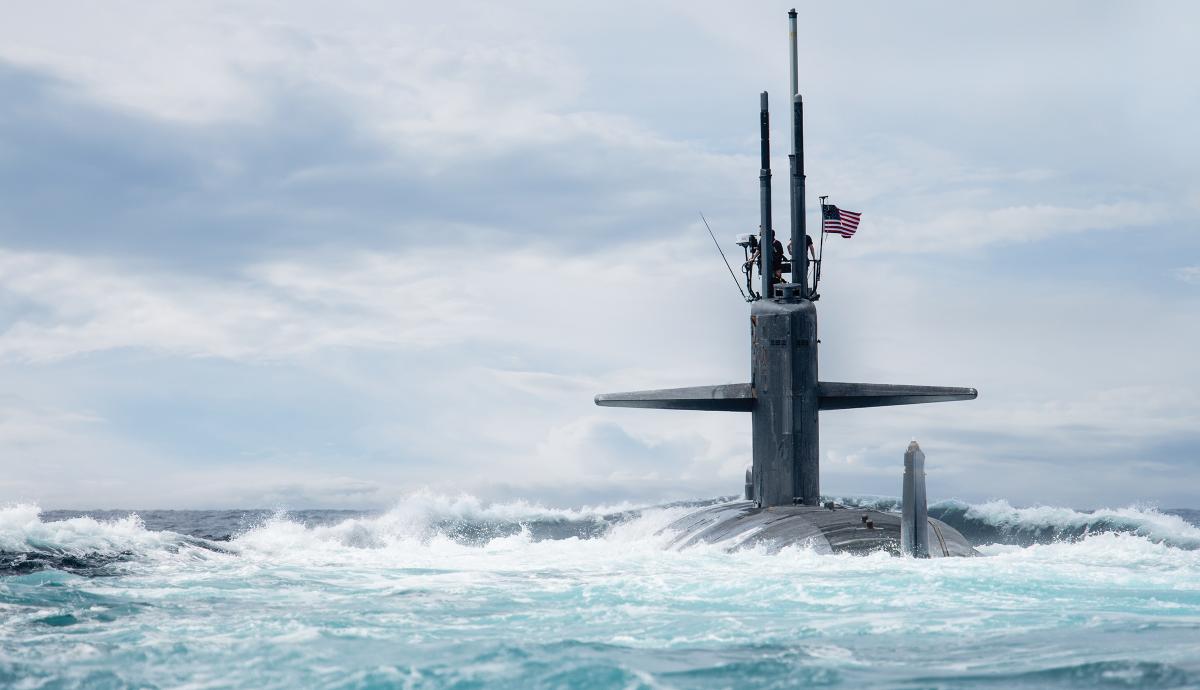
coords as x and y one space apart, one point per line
723 258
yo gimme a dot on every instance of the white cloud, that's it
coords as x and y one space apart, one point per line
972 229
24 424
290 308
466 363
504 367
1188 274
61 455
278 310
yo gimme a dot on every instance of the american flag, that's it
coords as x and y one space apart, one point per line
837 221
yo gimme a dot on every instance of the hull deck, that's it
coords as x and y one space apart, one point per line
741 524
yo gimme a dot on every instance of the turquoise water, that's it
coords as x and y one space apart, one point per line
450 593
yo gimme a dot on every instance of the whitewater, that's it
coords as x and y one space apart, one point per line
450 592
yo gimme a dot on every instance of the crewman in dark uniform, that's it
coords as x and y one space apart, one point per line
777 260
812 255
808 243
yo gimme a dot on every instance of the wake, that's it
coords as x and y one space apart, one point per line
426 528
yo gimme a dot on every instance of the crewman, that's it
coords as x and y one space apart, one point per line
777 259
812 254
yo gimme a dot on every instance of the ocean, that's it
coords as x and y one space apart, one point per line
450 592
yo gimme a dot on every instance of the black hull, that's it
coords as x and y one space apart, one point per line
741 524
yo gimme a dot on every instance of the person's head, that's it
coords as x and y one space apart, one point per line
808 240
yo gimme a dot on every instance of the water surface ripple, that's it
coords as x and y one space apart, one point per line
451 593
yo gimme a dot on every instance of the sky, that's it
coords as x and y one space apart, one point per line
301 254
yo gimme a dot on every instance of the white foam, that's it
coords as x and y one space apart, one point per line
434 506
22 529
410 536
1143 521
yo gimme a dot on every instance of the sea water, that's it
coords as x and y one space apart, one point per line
451 593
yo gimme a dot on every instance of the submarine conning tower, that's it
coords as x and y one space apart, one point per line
784 396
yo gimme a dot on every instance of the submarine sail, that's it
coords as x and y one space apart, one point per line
784 395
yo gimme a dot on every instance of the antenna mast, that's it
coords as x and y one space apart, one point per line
784 395
796 161
766 250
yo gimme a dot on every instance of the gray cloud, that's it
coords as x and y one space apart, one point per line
332 259
1188 274
308 173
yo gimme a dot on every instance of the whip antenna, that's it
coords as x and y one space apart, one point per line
718 245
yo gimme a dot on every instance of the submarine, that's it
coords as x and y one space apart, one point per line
781 504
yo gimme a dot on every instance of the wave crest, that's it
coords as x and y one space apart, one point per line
998 521
80 544
426 526
425 518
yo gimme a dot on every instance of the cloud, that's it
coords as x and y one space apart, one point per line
973 229
23 424
62 306
1188 274
330 257
309 171
77 306
61 454
403 377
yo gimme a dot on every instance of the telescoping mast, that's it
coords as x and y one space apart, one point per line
784 396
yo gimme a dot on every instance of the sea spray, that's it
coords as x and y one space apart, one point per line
452 592
999 522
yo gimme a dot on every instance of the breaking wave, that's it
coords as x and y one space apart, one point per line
998 522
83 544
456 592
97 545
100 542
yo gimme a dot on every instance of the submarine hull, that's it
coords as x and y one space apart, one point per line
742 524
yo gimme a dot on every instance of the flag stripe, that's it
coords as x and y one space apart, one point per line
836 221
